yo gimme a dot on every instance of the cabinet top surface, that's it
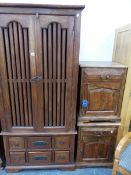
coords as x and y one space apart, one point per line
53 6
101 64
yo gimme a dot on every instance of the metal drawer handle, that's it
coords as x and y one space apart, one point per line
40 143
61 158
105 77
37 78
40 157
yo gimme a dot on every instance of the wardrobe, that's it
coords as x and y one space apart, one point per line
39 58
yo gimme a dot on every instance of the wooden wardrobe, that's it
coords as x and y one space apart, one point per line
39 53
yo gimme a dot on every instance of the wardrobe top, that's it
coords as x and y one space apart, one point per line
101 64
52 6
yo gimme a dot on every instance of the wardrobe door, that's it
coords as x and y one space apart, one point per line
54 54
17 68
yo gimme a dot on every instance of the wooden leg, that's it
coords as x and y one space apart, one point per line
115 165
12 170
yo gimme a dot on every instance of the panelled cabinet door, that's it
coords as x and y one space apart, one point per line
54 46
17 67
100 91
97 145
102 100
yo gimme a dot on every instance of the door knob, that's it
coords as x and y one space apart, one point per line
84 103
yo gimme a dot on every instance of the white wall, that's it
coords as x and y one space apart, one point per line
100 18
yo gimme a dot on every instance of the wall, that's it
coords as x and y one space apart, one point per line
100 18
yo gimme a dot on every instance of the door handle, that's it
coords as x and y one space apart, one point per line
37 78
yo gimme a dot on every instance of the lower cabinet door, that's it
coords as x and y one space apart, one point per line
62 156
17 158
96 145
40 157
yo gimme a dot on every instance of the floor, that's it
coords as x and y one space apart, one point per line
83 171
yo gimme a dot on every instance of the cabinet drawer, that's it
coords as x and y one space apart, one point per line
39 142
16 143
101 74
62 156
62 142
40 157
17 158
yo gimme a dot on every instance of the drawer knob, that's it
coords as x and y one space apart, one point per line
105 77
61 158
40 143
84 103
40 157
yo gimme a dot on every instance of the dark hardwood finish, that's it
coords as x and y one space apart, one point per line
62 142
39 142
100 99
62 156
16 143
101 90
40 157
39 57
17 158
96 145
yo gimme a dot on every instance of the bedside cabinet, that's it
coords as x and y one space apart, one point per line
100 99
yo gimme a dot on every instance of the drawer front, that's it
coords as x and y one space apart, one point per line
39 142
17 158
62 142
16 143
62 156
40 157
102 74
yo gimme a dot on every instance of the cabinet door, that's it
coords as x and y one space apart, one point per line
54 53
100 91
96 145
17 67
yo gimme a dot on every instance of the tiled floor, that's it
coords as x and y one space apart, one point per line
83 171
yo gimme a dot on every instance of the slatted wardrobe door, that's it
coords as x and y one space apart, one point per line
54 67
17 69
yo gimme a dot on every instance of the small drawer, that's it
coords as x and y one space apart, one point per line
101 74
17 158
39 142
62 142
40 157
16 143
62 156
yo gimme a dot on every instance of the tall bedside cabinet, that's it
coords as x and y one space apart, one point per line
100 98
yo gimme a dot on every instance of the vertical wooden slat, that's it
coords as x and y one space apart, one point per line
3 71
63 75
17 54
26 86
22 65
27 65
54 74
7 48
45 76
28 76
14 71
58 72
50 71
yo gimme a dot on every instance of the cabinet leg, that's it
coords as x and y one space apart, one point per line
12 170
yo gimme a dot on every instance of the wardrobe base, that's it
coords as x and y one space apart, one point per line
84 164
14 169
